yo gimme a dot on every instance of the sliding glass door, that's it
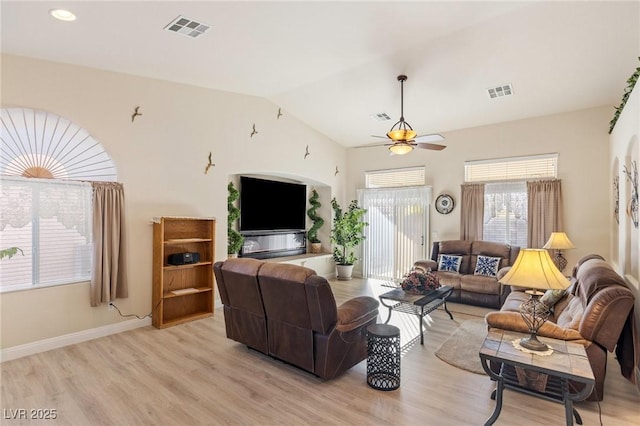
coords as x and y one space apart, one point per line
397 233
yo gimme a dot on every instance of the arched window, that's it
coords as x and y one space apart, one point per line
43 145
46 162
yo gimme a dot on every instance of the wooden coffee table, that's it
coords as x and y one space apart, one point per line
416 304
546 377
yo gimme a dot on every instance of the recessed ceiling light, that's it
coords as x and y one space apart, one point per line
62 15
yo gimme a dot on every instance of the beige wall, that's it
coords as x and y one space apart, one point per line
160 160
580 139
625 237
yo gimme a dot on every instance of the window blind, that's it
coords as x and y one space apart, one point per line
50 221
414 176
515 168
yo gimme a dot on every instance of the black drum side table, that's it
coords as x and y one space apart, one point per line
383 357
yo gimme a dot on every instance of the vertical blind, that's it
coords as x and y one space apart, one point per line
397 232
50 221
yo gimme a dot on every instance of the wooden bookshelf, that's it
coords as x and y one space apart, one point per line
182 293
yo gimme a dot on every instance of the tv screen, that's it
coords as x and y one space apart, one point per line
268 205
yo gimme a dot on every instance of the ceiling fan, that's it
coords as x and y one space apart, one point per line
402 135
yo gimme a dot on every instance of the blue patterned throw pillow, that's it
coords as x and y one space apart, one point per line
487 266
449 263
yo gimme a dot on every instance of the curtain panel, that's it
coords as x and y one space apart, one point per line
108 279
471 211
544 211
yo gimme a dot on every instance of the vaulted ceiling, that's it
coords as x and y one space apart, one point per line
333 65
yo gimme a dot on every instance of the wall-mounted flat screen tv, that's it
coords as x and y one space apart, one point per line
269 205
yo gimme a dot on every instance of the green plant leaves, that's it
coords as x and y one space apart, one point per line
312 234
347 231
631 82
234 238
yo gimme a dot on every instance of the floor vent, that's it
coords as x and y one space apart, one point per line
187 26
500 91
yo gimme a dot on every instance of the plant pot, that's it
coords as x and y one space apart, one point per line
232 255
344 272
316 248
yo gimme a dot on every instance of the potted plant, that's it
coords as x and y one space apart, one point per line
234 238
346 234
312 234
10 252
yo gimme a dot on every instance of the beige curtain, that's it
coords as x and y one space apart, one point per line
544 211
471 211
108 280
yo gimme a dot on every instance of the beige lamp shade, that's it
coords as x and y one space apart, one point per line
401 148
534 269
558 241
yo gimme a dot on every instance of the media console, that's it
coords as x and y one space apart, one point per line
268 244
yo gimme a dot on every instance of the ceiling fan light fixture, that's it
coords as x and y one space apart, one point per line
401 148
401 131
401 134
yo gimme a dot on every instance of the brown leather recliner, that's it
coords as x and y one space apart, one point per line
244 316
593 313
290 313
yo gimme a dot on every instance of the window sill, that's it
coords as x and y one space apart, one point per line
25 287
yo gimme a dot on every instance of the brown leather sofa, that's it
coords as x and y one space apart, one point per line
469 288
289 312
596 308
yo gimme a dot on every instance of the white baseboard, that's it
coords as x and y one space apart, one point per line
44 345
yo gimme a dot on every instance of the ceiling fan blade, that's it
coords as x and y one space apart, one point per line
381 137
370 145
432 146
435 137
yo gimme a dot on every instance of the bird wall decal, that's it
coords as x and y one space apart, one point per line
206 169
254 131
279 113
306 152
336 172
135 113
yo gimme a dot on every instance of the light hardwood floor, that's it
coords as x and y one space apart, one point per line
192 374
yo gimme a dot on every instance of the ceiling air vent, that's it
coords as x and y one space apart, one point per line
187 26
381 116
500 91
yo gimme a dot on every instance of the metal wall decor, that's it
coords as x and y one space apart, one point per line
136 113
632 176
209 164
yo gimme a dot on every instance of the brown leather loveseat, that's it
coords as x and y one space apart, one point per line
290 313
468 286
597 312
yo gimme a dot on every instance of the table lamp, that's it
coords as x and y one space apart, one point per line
559 241
534 270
